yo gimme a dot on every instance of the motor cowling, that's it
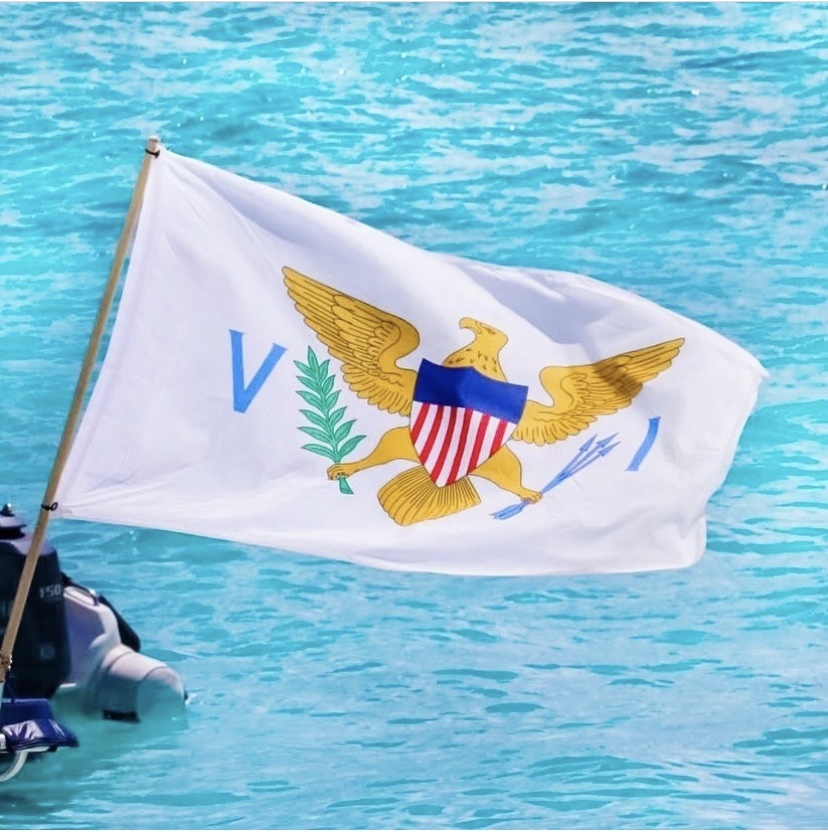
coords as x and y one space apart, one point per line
41 656
115 681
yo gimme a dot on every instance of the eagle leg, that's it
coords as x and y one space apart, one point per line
504 470
394 444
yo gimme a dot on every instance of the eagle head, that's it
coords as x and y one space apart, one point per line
482 353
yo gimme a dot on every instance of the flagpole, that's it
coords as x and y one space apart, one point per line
48 505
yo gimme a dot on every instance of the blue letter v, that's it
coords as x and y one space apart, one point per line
243 396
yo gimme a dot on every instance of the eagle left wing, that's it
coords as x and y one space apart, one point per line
582 393
368 341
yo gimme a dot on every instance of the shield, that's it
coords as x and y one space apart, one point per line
460 418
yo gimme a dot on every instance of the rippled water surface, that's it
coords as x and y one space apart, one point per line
679 151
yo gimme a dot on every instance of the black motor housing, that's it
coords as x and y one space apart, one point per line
41 661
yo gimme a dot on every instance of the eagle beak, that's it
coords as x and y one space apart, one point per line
470 323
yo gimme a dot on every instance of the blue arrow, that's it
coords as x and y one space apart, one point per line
587 454
605 449
581 460
583 452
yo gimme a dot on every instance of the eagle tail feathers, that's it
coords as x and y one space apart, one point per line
412 496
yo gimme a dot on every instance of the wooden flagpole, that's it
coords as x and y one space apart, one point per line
68 435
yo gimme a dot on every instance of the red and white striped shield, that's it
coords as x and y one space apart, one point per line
460 418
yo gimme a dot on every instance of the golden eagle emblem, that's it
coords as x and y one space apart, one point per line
370 343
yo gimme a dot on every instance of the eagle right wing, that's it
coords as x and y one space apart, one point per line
583 393
367 340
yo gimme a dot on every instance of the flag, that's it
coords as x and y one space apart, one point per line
281 375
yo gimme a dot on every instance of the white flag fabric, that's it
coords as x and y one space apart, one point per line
282 375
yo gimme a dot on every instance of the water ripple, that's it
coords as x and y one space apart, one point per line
677 150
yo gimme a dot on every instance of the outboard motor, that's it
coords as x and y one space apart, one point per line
42 660
71 641
74 642
41 655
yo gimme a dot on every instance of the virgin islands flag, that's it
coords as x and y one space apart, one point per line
281 375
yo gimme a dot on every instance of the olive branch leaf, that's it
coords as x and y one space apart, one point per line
326 425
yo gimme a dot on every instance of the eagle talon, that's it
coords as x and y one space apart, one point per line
340 470
531 496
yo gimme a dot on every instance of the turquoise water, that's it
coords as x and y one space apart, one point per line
679 151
